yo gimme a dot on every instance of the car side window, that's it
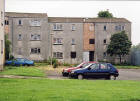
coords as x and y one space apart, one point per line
103 66
94 66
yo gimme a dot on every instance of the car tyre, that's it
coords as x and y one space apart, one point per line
112 77
80 76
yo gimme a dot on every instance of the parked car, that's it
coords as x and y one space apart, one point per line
66 71
96 70
20 61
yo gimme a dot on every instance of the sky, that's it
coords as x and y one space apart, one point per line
124 9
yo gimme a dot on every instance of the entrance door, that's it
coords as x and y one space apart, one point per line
91 56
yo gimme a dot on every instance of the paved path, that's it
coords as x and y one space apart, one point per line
129 74
125 74
20 77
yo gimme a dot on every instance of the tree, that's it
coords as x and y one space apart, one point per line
7 47
120 45
105 14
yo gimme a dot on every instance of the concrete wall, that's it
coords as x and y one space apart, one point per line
67 35
25 44
101 34
2 2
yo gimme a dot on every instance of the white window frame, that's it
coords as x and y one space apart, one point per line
19 22
35 37
35 23
57 41
57 27
19 37
58 55
73 27
73 41
2 46
35 51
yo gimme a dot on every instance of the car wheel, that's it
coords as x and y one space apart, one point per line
80 76
112 77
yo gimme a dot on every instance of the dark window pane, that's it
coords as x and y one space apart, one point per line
19 22
104 40
91 41
73 54
105 28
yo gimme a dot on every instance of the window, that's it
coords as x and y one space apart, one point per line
104 28
36 23
104 41
91 27
103 66
57 26
94 66
19 37
19 22
1 46
116 27
2 17
122 27
35 37
73 54
58 55
73 27
19 51
35 51
57 41
91 41
119 28
6 22
73 42
104 54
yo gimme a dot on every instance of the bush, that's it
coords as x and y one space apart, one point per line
66 64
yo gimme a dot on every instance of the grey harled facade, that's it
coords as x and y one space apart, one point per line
103 38
67 41
2 34
28 34
38 37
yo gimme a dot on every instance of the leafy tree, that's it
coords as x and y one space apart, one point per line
105 14
120 45
7 47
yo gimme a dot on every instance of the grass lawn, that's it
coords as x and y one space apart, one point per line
68 90
23 71
127 67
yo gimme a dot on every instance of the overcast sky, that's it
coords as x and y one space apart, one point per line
126 9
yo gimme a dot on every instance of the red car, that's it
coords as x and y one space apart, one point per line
66 71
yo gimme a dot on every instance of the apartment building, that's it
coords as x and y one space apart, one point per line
67 34
101 30
2 2
28 34
70 40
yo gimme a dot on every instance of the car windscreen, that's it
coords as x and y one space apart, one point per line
84 65
88 65
80 64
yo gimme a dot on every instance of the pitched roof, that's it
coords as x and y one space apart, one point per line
65 19
82 20
25 15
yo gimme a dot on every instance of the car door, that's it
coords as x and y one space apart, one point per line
93 70
103 70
